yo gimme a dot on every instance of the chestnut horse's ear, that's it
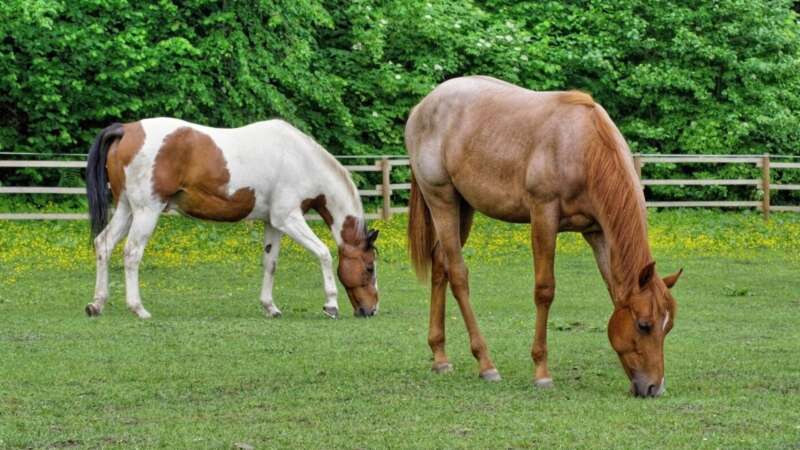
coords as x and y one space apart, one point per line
670 280
647 274
371 236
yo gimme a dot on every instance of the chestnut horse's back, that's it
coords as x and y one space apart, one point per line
499 145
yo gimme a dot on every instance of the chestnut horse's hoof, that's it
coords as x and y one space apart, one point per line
544 383
331 312
441 368
92 310
491 375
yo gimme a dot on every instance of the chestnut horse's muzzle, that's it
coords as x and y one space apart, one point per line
642 387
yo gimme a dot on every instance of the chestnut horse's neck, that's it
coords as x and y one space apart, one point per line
619 205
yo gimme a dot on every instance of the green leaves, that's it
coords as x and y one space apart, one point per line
677 76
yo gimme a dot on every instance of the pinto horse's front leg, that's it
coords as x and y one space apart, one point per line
544 228
296 227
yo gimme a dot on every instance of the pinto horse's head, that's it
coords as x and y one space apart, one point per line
637 330
357 271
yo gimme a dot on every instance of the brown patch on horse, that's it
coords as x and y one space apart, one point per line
191 171
317 204
120 155
357 265
351 233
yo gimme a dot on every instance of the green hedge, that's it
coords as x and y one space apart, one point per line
677 76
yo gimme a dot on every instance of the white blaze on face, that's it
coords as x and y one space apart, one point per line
666 320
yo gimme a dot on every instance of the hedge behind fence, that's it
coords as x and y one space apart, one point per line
677 76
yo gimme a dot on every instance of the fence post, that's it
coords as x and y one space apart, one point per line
765 185
386 188
637 164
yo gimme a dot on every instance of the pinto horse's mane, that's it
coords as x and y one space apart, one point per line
614 190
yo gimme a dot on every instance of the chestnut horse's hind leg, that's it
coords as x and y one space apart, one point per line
436 335
436 330
296 227
104 245
144 222
446 217
272 246
544 228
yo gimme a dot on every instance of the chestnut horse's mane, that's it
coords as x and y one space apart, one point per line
614 190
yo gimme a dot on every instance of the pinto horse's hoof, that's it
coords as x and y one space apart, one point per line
331 312
272 312
92 310
141 313
544 383
440 368
491 375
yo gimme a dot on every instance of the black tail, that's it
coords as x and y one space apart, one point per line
96 179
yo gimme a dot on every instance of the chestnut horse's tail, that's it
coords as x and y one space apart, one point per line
421 235
96 178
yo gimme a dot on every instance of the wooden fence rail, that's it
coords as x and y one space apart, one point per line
385 165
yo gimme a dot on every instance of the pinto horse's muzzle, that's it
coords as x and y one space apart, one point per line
366 312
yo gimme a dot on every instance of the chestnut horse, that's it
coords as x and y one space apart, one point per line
551 159
268 171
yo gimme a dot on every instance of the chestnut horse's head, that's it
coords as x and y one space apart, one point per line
637 330
358 274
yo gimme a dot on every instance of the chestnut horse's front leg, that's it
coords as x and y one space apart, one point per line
601 254
544 228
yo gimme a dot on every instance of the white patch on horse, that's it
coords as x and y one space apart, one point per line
666 320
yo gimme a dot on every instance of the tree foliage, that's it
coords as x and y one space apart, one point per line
678 76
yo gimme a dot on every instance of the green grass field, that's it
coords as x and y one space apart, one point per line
209 371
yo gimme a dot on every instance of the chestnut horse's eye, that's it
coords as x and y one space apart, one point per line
644 326
371 268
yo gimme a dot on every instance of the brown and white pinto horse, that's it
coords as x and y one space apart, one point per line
551 159
268 171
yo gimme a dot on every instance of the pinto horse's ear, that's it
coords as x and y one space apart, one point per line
647 274
371 236
670 280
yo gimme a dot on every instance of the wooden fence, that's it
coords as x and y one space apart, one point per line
385 164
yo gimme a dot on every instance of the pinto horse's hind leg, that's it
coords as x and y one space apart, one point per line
272 245
296 227
544 228
104 245
144 222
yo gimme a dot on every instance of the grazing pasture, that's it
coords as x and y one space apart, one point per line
210 371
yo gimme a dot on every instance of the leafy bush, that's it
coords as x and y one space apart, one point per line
677 76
